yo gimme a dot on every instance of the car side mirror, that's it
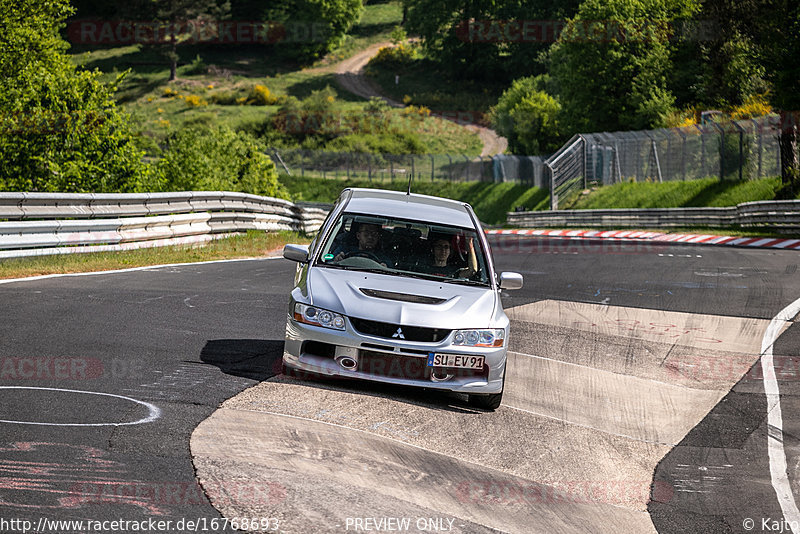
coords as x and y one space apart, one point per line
296 253
510 280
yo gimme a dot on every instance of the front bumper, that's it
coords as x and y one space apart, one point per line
319 350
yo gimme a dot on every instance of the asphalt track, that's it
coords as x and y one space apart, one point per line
635 402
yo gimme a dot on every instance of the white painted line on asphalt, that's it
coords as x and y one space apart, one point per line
154 411
130 269
777 454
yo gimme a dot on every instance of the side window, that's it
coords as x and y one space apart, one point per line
325 224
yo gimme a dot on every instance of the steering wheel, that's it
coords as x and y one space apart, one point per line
363 254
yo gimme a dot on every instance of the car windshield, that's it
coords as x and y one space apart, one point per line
404 247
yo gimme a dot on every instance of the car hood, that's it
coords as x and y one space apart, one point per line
377 297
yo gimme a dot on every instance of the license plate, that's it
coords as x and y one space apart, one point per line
464 361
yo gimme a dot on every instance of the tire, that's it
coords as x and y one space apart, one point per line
489 401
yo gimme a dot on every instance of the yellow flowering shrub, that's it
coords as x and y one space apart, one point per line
753 106
260 95
195 101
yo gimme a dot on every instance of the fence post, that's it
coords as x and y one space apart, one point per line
683 153
757 130
741 148
432 166
585 158
450 168
702 151
553 196
721 150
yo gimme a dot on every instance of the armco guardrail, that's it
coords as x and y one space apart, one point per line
56 223
781 216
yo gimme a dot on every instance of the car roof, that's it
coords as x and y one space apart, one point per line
408 206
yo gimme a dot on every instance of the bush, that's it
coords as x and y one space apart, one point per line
60 129
197 66
216 159
528 117
394 56
260 95
387 143
225 98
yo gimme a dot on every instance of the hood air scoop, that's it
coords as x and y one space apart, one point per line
404 297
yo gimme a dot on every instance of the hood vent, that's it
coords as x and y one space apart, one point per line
403 297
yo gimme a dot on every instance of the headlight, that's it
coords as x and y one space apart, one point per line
318 317
491 337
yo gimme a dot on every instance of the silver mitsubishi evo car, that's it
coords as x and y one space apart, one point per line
400 288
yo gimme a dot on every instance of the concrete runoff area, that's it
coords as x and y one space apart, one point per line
573 448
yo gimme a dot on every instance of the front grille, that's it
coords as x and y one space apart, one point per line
409 333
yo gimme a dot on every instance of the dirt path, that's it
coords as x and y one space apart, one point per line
350 76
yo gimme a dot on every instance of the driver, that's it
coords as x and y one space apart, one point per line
368 237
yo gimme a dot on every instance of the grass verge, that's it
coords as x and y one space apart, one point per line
709 192
250 245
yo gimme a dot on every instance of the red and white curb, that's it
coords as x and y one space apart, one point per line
694 239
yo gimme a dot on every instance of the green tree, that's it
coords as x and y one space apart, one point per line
313 27
528 117
612 62
717 59
216 159
180 18
778 26
60 129
486 39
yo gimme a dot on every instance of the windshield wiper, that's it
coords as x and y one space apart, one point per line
384 270
421 276
464 282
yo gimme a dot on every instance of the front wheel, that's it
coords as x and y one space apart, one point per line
490 401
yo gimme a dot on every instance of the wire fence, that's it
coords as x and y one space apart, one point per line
525 170
731 150
727 150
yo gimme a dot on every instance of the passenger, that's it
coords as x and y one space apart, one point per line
442 250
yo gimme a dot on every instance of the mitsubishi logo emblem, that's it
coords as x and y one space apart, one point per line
399 334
